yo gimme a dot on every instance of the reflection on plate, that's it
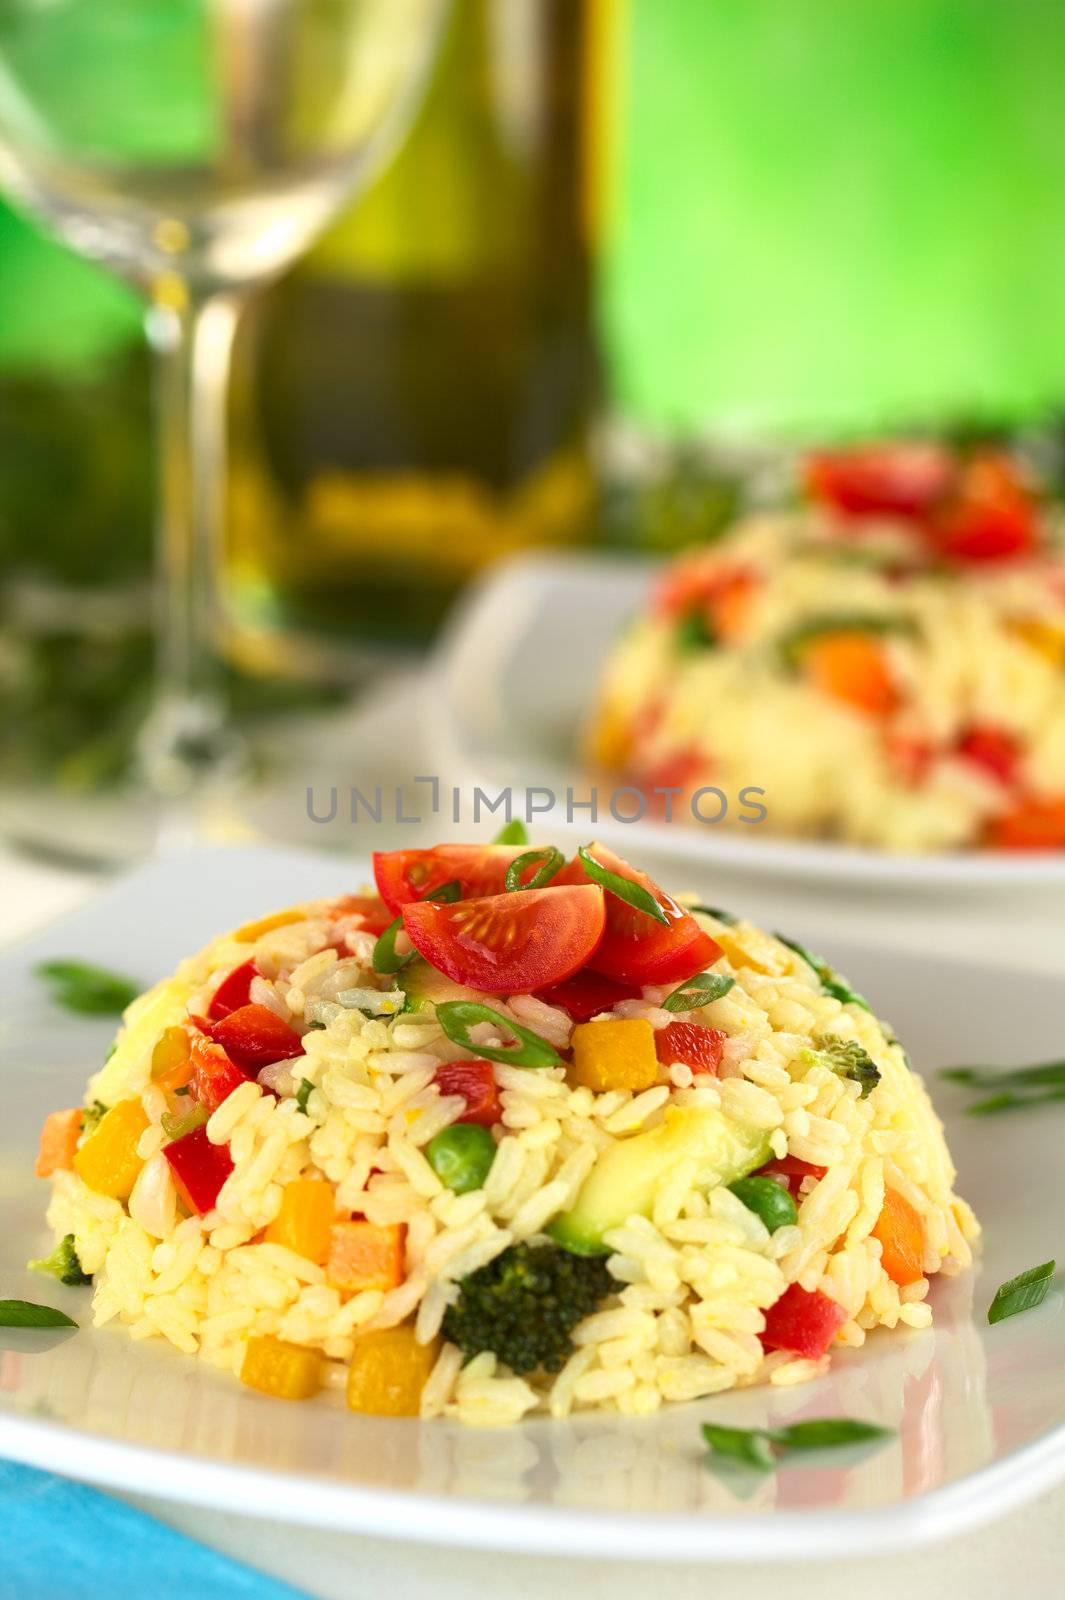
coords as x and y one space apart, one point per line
517 672
980 1411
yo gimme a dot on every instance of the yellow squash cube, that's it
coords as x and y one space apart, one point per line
306 1217
388 1372
108 1161
287 1371
616 1054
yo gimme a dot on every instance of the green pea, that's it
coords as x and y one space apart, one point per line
767 1199
462 1155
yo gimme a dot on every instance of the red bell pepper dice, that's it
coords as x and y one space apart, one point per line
586 994
200 1169
475 1082
233 991
993 749
804 1321
793 1171
698 1046
214 1076
255 1037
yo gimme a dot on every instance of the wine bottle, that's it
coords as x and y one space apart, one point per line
414 399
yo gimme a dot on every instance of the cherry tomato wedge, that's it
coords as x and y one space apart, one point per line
1029 825
509 943
636 948
200 1168
901 480
803 1320
214 1076
991 517
586 994
403 876
993 749
254 1037
233 991
475 1082
692 1043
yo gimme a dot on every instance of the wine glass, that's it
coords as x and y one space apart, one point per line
196 147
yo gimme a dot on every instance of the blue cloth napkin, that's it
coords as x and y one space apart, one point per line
62 1541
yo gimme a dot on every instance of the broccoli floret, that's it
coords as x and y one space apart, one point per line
63 1264
524 1305
847 1058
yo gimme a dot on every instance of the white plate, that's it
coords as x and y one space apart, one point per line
980 1411
516 674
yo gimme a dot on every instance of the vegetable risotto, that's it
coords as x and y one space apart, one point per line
511 1135
885 662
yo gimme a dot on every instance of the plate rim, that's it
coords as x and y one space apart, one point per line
978 1498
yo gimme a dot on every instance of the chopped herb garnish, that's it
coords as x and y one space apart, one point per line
457 1017
633 894
63 1264
701 990
764 1448
847 1058
26 1314
78 986
693 632
93 1115
1014 1088
829 978
385 956
1021 1293
303 1094
513 833
547 862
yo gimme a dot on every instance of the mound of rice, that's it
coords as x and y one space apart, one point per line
692 1281
942 728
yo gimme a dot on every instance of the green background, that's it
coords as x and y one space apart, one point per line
823 213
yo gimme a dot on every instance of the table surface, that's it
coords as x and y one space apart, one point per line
1021 1550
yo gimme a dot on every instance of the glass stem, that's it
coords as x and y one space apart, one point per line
185 737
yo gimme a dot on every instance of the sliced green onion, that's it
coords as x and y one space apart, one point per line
792 644
513 833
176 1127
829 978
701 990
769 1200
93 991
26 1314
303 1094
550 861
633 894
457 1017
385 957
1022 1293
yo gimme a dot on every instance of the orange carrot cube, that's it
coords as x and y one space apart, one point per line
365 1255
59 1140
